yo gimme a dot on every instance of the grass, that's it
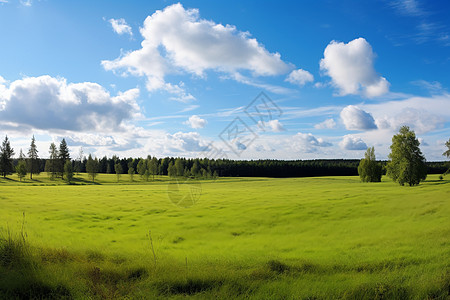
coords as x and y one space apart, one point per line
259 238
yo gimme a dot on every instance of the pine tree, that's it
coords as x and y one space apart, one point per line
63 156
6 154
33 159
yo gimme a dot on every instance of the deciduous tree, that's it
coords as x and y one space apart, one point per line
119 170
369 169
406 163
21 168
92 167
68 171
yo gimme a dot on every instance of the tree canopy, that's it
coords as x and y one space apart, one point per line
6 154
369 169
406 163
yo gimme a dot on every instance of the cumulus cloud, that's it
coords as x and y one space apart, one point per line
306 142
355 118
350 142
120 26
351 69
49 103
422 114
196 122
272 125
421 120
327 124
300 77
178 40
185 142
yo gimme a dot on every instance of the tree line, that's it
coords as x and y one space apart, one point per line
61 165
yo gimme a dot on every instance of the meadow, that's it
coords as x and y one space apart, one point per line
244 238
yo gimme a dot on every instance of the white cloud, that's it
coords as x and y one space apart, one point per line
196 122
419 120
434 87
178 40
408 7
185 142
351 69
300 77
50 103
26 2
350 142
120 26
306 142
422 114
327 124
273 125
355 118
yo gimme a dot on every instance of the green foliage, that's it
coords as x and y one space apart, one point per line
141 167
92 167
63 155
406 163
51 165
131 172
33 159
369 169
179 167
153 166
6 154
68 171
119 170
21 169
447 153
171 170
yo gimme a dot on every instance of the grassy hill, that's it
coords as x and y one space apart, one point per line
307 238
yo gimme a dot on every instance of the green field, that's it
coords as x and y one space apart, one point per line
259 238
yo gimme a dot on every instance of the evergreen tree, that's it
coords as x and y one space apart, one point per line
369 169
63 156
6 154
33 159
406 162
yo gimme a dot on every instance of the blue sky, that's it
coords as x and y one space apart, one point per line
133 78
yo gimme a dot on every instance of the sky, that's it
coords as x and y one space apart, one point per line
230 79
